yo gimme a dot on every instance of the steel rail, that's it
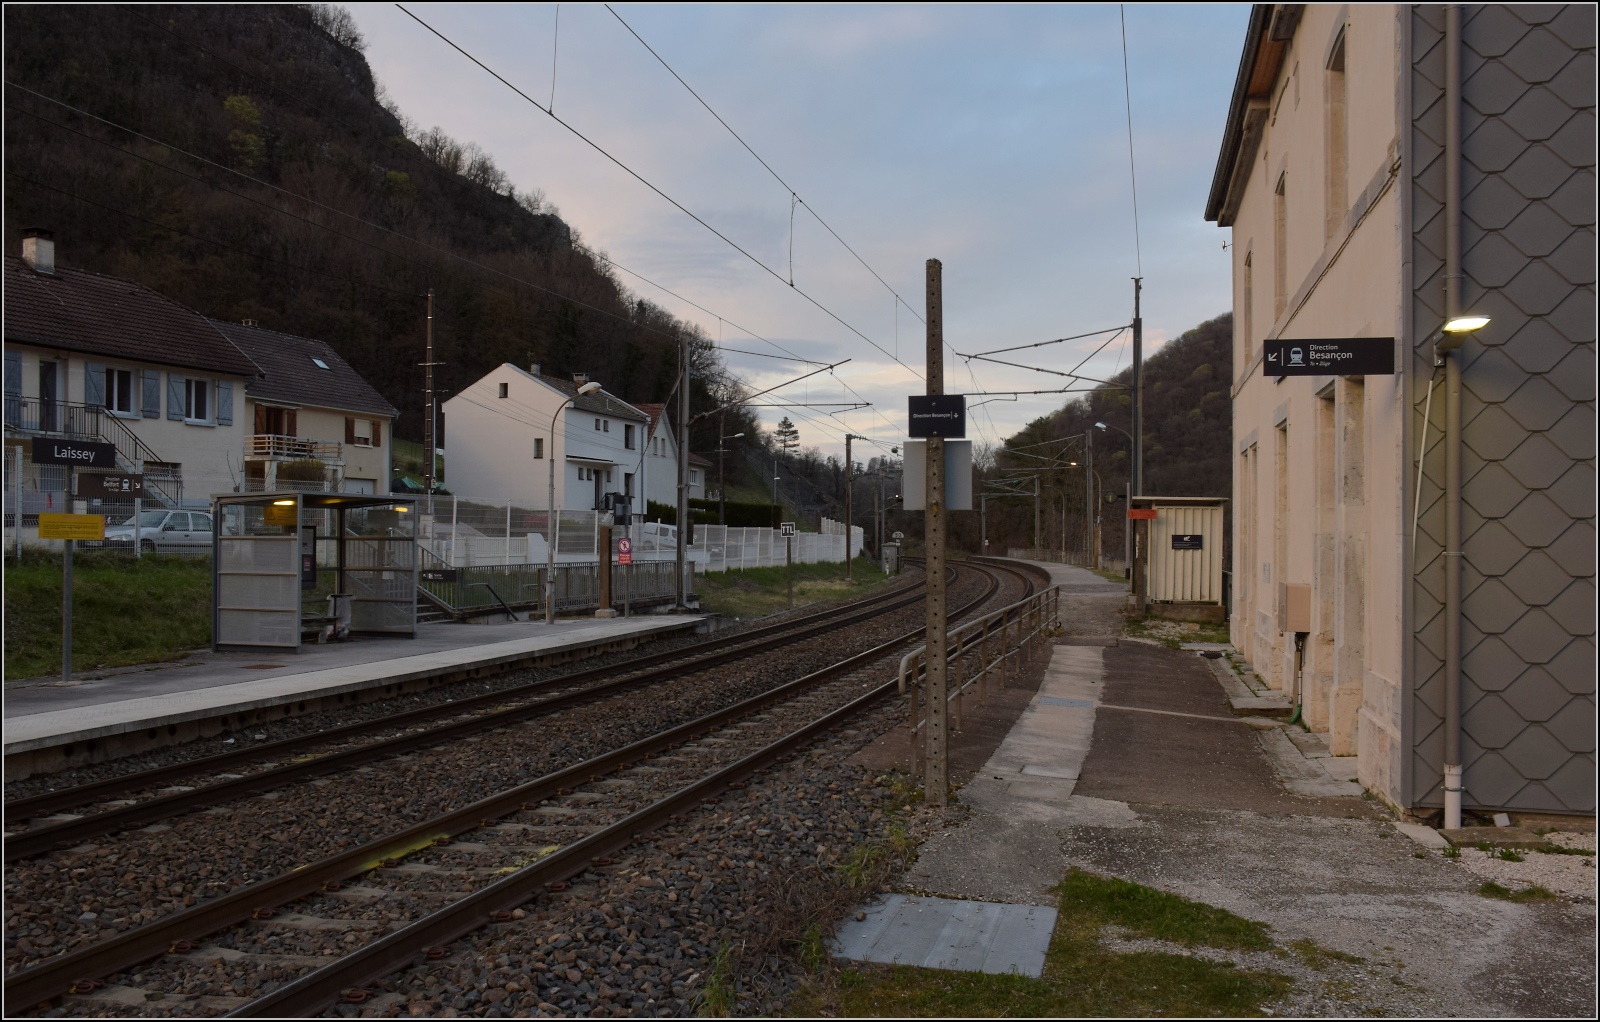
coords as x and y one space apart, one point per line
58 975
28 844
84 794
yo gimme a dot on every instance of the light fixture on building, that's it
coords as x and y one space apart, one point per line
1455 330
283 503
402 510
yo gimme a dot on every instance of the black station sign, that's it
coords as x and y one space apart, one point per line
937 415
1187 541
82 453
438 575
1339 356
111 484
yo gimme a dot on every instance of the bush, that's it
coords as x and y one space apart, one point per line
303 470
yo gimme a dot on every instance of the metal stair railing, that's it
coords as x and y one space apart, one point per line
77 420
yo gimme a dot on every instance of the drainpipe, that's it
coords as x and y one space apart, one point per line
1452 418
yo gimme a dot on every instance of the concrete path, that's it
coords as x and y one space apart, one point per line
39 714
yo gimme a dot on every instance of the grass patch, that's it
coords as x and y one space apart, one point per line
125 611
1318 957
1512 855
1172 634
721 992
1521 897
757 592
1553 849
1081 977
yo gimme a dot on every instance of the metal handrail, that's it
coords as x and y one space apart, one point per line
498 598
78 419
286 446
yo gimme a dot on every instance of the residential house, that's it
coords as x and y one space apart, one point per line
95 357
659 467
311 411
1386 170
501 429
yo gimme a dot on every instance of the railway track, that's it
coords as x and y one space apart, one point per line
422 886
109 809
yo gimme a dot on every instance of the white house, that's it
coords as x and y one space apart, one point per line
94 357
501 430
659 467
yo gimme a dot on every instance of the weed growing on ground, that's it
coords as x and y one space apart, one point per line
1526 894
720 994
813 952
1484 846
1318 957
1512 855
1451 852
1419 854
1564 850
1081 976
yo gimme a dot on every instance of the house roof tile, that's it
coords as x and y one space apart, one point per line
290 375
77 310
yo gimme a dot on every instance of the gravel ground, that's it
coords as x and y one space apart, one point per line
788 842
1571 876
311 723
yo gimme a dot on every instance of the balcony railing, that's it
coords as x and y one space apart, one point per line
276 445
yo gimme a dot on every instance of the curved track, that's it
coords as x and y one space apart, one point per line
587 811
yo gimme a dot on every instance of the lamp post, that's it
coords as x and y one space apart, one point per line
1127 530
722 487
849 481
550 513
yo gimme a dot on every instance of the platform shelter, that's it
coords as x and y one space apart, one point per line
291 565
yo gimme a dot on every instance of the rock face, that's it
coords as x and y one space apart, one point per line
243 108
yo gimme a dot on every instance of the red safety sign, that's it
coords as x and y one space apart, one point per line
1144 513
624 551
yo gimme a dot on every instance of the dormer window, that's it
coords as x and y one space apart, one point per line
321 364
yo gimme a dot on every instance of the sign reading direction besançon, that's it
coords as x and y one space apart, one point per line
82 453
1339 356
937 415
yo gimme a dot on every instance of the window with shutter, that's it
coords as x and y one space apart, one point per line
94 385
349 431
224 403
13 415
176 389
151 405
377 432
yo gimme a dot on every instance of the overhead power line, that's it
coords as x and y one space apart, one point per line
648 184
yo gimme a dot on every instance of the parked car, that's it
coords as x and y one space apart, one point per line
164 530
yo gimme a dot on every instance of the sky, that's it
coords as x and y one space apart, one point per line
992 138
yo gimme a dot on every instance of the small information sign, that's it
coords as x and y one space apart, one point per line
59 526
438 574
1146 514
1187 541
110 484
786 528
1336 356
937 415
624 551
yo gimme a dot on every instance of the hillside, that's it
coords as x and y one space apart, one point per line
240 159
1187 425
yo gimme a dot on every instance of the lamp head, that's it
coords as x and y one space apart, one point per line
1099 425
1466 324
588 388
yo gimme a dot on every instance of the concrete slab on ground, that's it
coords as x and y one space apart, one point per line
942 933
43 715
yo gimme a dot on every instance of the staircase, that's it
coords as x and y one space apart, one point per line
163 480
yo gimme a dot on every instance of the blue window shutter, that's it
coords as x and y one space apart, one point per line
13 388
224 403
152 394
174 396
94 384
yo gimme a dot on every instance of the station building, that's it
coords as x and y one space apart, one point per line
1385 169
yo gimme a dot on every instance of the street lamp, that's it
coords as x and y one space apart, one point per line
550 513
849 481
722 488
1127 531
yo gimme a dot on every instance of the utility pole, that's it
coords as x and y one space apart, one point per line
1140 554
683 472
937 783
430 438
1088 498
1036 551
722 482
849 467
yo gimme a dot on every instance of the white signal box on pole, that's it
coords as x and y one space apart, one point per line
957 475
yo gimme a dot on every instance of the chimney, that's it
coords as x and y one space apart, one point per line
579 379
39 249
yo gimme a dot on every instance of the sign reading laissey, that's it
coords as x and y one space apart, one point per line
1338 356
84 454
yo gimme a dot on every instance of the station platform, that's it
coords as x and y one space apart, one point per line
52 725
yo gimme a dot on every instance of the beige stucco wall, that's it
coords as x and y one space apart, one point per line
1340 525
211 455
360 461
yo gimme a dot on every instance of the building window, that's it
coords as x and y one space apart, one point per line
608 477
197 400
627 436
1280 247
119 391
597 425
538 447
1338 155
505 390
627 484
605 424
